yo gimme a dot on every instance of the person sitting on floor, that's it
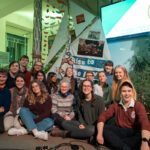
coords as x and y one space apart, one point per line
90 107
5 98
35 113
132 129
62 104
18 95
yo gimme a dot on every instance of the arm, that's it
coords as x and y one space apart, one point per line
108 99
6 103
100 138
144 145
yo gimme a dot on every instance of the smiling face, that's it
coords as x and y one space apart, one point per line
14 68
38 66
54 78
40 76
119 73
102 77
126 93
20 82
109 69
87 87
69 72
64 87
24 62
90 76
3 78
36 89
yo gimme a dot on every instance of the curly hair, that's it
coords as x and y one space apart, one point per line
32 98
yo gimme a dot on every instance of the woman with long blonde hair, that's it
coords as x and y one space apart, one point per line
36 110
120 73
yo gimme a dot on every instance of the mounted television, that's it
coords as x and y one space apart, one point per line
126 18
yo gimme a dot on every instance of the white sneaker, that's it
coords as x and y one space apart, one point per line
41 135
15 131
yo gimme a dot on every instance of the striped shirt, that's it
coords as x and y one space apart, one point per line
63 105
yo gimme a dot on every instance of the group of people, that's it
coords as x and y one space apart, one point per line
106 109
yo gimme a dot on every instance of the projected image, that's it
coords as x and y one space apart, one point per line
90 48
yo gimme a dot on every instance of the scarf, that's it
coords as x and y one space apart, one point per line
17 93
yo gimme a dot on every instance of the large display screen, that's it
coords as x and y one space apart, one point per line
130 17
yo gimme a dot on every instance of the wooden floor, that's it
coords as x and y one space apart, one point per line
28 142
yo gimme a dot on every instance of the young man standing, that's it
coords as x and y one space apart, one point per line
5 98
24 60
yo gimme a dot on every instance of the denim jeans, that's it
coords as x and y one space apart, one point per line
28 117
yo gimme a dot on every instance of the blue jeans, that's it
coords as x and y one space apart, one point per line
28 117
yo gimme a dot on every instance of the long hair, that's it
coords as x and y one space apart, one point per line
129 84
32 98
105 84
82 95
44 79
51 84
116 82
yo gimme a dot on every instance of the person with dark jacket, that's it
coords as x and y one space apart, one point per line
5 98
13 70
52 83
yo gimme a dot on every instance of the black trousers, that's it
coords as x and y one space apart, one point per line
122 138
75 132
1 124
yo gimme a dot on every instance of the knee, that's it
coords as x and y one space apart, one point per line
22 111
8 123
90 131
49 122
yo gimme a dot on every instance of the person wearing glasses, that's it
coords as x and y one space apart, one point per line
36 67
90 107
62 103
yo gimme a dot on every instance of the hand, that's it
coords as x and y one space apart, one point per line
100 139
145 146
81 126
2 109
67 118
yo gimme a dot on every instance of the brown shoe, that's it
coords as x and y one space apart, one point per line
58 132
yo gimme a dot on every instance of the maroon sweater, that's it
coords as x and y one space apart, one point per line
135 117
41 110
27 75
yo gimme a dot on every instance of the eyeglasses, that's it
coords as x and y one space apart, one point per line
89 75
64 87
87 86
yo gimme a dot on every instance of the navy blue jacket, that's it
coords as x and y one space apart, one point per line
5 100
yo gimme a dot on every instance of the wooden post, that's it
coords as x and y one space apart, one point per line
37 31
